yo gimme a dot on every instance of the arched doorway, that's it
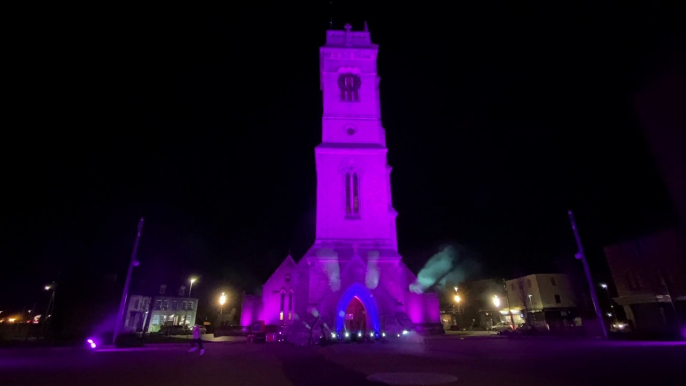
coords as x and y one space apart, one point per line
356 316
360 300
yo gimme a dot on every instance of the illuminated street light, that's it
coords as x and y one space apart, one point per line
185 312
47 287
222 300
603 285
496 301
457 299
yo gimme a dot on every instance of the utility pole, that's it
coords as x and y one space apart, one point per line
133 263
581 255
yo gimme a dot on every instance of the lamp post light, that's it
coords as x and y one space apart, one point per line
51 307
185 312
609 298
222 300
496 301
190 290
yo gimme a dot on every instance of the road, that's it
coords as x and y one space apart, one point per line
472 361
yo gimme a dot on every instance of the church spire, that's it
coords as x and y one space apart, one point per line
366 29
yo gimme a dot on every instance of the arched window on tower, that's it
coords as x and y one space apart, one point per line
352 194
349 84
283 298
290 305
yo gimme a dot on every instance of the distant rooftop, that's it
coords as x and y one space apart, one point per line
348 38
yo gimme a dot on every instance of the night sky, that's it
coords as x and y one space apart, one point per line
498 119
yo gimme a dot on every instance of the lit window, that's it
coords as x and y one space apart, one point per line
349 84
283 298
352 194
290 305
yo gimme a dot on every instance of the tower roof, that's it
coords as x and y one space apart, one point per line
349 38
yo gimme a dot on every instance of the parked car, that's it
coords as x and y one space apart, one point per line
174 330
499 328
178 329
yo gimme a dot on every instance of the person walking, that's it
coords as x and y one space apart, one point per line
197 340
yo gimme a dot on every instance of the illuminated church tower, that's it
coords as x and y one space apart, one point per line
352 279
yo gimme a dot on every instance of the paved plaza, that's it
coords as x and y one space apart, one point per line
475 361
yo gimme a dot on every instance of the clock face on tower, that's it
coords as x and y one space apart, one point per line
349 84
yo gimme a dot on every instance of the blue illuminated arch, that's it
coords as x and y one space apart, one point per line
361 292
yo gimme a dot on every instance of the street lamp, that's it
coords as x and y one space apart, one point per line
496 301
185 315
609 298
222 300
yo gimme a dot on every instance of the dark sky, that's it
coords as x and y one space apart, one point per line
499 117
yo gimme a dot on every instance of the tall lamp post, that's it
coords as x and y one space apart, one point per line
222 300
581 255
610 314
185 314
125 293
51 305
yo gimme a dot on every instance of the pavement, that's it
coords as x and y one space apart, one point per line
456 361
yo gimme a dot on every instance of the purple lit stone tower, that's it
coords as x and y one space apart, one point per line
352 278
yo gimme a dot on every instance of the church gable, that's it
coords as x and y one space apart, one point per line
283 276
